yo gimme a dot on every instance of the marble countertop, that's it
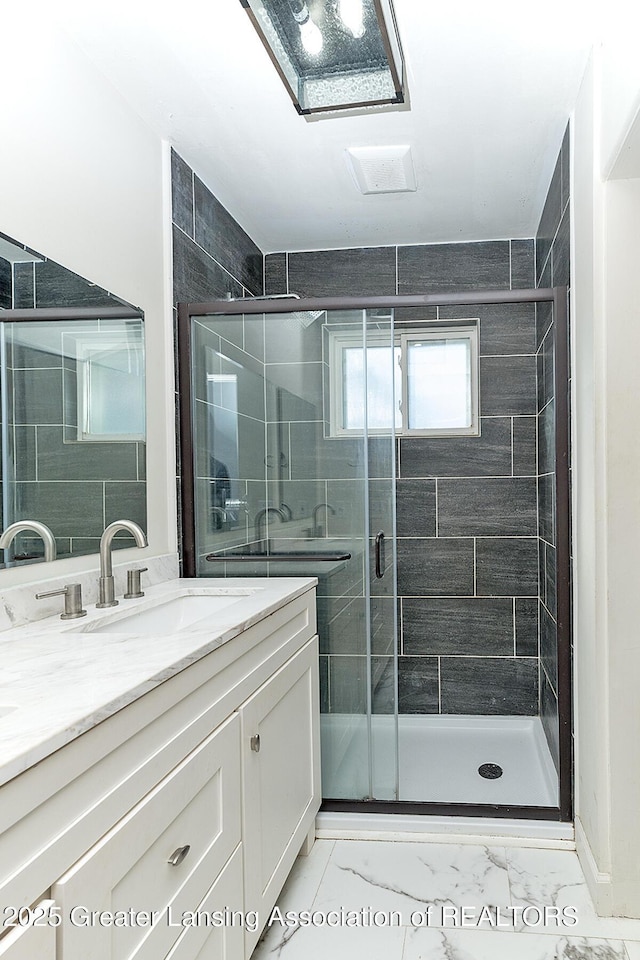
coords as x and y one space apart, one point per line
58 679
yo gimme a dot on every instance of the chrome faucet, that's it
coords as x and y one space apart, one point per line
261 517
34 526
316 530
106 582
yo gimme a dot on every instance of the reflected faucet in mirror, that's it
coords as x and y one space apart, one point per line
220 517
33 526
106 583
286 509
261 520
316 528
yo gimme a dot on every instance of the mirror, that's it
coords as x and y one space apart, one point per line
72 413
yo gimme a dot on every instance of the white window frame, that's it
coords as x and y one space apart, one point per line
339 340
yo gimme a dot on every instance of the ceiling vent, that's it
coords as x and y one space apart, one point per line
382 169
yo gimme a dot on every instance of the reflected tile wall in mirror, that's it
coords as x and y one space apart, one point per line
74 484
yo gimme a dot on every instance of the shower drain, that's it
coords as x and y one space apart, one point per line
490 771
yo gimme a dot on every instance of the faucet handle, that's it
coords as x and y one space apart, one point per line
133 583
72 594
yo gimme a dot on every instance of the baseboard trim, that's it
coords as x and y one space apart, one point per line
599 883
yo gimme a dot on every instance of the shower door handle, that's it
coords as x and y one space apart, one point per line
380 555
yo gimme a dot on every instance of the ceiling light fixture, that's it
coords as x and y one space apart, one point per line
338 55
351 12
309 32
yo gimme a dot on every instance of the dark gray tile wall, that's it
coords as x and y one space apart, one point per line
6 285
221 236
422 268
24 297
454 266
492 686
214 257
212 254
182 195
466 507
275 273
552 268
48 284
468 596
197 277
369 271
555 207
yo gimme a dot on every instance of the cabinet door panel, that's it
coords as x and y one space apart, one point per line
281 778
128 870
27 943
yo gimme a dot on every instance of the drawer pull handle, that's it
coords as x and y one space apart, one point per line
178 855
255 743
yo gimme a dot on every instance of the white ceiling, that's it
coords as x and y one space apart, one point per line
490 92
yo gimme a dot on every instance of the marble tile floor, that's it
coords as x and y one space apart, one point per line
382 900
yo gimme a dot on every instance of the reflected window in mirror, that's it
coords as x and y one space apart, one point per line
110 384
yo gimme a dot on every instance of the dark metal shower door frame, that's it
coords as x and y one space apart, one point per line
558 297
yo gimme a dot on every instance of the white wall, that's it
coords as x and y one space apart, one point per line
589 482
606 344
620 81
622 306
82 181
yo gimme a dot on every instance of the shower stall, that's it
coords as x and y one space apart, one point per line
412 454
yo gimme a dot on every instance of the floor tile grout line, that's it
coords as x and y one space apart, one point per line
326 867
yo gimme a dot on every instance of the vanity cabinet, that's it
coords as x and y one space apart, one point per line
158 862
280 766
95 825
27 943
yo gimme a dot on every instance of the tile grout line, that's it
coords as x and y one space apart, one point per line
326 866
475 569
512 447
193 205
228 272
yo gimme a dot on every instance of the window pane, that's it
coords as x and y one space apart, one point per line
382 408
439 384
353 383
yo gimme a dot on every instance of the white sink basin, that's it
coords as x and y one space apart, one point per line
5 710
190 611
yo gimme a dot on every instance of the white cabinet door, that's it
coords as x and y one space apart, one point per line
124 899
29 943
281 778
219 931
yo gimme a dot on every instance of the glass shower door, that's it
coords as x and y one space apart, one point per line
359 743
293 423
382 412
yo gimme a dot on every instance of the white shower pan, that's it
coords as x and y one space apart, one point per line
439 758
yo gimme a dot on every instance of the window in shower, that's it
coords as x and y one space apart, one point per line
431 376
